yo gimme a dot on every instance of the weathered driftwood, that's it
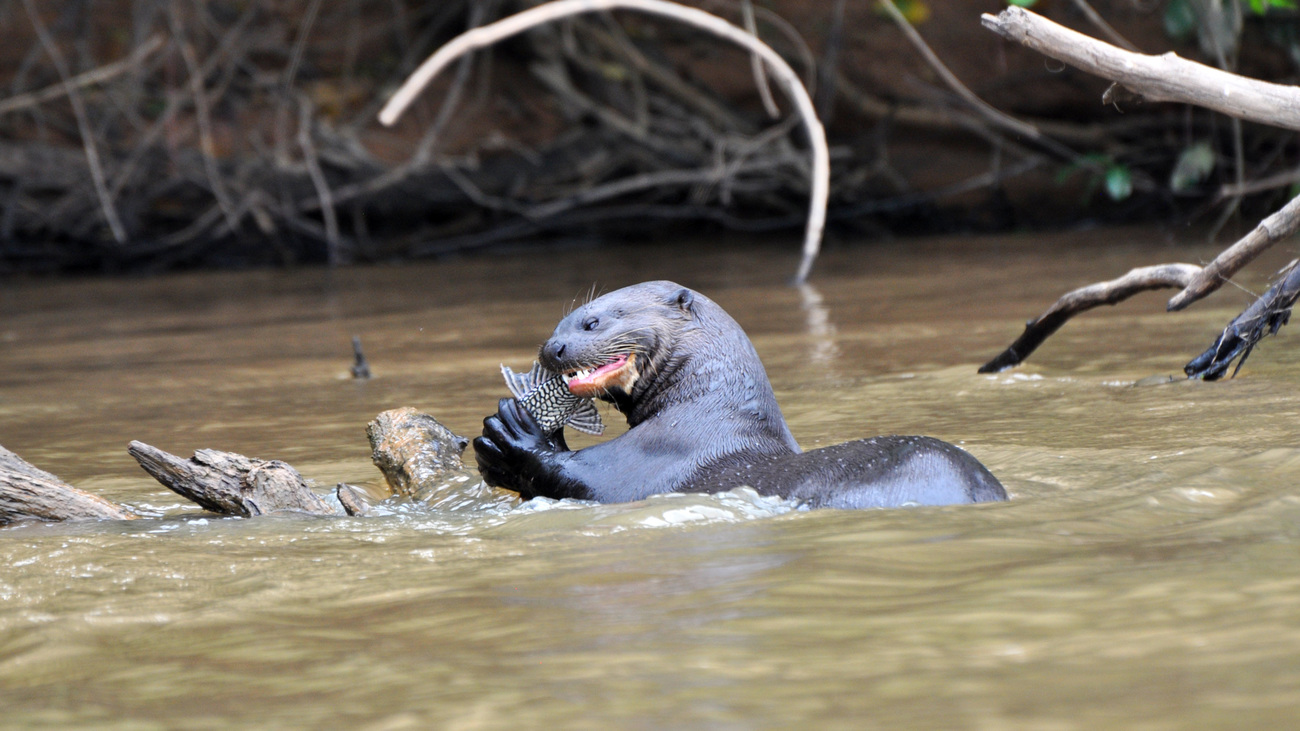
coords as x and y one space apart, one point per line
1262 318
231 484
416 454
29 493
413 450
1163 78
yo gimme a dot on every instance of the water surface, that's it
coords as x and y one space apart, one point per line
1145 571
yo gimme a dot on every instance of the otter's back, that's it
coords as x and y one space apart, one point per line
880 472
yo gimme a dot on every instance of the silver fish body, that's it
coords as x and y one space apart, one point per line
545 395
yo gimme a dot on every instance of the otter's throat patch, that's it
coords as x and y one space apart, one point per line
621 373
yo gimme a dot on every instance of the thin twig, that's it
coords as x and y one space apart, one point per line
798 45
1276 227
829 64
104 73
83 124
1239 177
645 181
291 73
451 101
1106 30
203 116
1272 182
332 240
999 118
756 63
671 82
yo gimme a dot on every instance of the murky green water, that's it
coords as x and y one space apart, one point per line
1147 570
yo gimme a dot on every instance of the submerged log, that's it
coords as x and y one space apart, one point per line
232 484
29 493
416 454
413 450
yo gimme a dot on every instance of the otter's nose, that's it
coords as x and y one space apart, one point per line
552 352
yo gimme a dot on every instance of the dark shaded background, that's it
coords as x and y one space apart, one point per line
244 133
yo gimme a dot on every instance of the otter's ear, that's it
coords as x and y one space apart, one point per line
684 299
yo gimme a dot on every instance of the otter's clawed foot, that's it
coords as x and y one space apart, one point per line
513 448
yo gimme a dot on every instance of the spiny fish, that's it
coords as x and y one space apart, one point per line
545 395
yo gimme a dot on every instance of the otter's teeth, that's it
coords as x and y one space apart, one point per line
580 373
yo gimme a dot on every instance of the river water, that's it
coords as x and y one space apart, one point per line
1146 571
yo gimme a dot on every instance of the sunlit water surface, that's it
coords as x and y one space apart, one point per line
1146 571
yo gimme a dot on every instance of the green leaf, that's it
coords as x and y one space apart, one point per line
1180 20
1119 182
1260 7
1194 165
916 11
1023 3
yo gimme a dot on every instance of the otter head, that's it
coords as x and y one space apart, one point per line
613 347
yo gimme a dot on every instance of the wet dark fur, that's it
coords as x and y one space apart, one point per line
704 419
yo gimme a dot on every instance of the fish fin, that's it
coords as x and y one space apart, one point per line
586 419
518 383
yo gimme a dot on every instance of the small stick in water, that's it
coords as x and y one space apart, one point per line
360 369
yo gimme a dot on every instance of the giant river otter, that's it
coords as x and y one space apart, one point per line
703 418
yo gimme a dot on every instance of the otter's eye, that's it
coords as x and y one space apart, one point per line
590 323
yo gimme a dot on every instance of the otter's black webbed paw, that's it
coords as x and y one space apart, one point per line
514 453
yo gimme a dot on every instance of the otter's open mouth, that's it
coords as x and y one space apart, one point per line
620 372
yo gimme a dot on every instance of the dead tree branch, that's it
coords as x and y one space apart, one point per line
1163 78
28 493
1161 276
489 34
994 116
1262 318
1271 230
1167 78
231 484
103 74
756 63
83 123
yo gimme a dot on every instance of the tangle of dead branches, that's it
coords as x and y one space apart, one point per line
236 133
154 134
1170 78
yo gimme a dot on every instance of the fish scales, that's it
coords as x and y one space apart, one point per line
545 395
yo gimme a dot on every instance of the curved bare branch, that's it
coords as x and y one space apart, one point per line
785 76
1160 276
